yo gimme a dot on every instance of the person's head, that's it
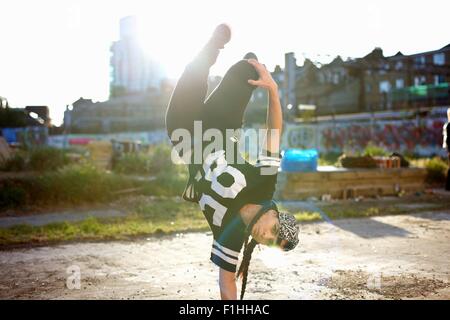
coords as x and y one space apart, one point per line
268 227
272 229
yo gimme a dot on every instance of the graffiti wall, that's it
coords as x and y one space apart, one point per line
424 138
394 135
27 136
150 137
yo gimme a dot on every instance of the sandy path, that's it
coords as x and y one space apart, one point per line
382 257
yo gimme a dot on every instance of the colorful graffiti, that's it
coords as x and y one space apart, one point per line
26 136
148 137
395 135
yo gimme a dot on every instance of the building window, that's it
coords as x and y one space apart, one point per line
420 80
321 78
398 65
368 87
439 59
419 60
438 79
399 83
385 86
329 77
335 78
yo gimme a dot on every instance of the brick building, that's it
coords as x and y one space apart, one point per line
371 83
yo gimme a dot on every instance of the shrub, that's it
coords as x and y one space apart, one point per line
328 159
160 158
38 159
47 158
17 162
171 182
372 150
80 183
133 163
157 160
436 170
71 184
12 195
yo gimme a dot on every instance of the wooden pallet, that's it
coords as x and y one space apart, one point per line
343 184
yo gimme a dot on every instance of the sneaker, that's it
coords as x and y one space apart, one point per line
221 36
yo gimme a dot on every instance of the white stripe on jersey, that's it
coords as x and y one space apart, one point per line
224 257
266 163
261 158
226 250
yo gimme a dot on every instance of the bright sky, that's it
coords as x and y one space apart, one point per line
54 51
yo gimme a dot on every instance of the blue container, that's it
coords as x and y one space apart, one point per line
297 160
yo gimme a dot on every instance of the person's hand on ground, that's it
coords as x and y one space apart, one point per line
265 78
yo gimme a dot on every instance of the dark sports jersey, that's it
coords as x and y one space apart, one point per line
223 189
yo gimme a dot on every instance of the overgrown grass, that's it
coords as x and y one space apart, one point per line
370 208
164 215
312 216
72 184
156 160
17 162
47 158
307 216
77 184
63 183
147 217
436 168
93 229
133 163
36 159
358 212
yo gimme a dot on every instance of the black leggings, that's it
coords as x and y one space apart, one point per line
225 106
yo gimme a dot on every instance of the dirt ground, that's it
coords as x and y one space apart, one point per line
391 257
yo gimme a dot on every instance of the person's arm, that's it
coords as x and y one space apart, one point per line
227 283
274 120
